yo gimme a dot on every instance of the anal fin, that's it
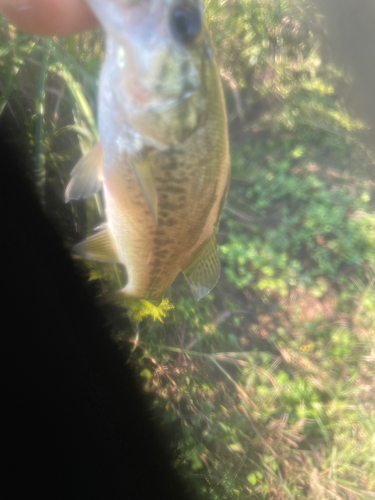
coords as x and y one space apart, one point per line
98 247
86 176
203 272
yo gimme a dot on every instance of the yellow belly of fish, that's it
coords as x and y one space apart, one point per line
154 254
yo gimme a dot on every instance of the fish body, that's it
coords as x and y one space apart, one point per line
164 156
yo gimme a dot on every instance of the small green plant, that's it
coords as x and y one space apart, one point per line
138 310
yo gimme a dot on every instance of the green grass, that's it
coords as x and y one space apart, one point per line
266 387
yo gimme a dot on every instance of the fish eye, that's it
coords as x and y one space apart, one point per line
185 23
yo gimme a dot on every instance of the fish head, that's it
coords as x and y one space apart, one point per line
164 65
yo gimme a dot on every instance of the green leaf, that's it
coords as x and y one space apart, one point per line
236 447
146 373
252 479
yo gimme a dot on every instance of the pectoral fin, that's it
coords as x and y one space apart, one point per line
86 176
98 247
145 177
203 272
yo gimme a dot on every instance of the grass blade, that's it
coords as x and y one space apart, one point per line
78 96
40 167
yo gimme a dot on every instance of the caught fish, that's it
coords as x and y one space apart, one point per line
163 156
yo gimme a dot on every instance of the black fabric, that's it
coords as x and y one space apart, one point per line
76 424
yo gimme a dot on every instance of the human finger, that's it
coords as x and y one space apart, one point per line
49 17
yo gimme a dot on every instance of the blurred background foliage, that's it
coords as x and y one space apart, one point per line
266 387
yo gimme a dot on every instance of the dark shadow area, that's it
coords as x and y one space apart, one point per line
76 424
